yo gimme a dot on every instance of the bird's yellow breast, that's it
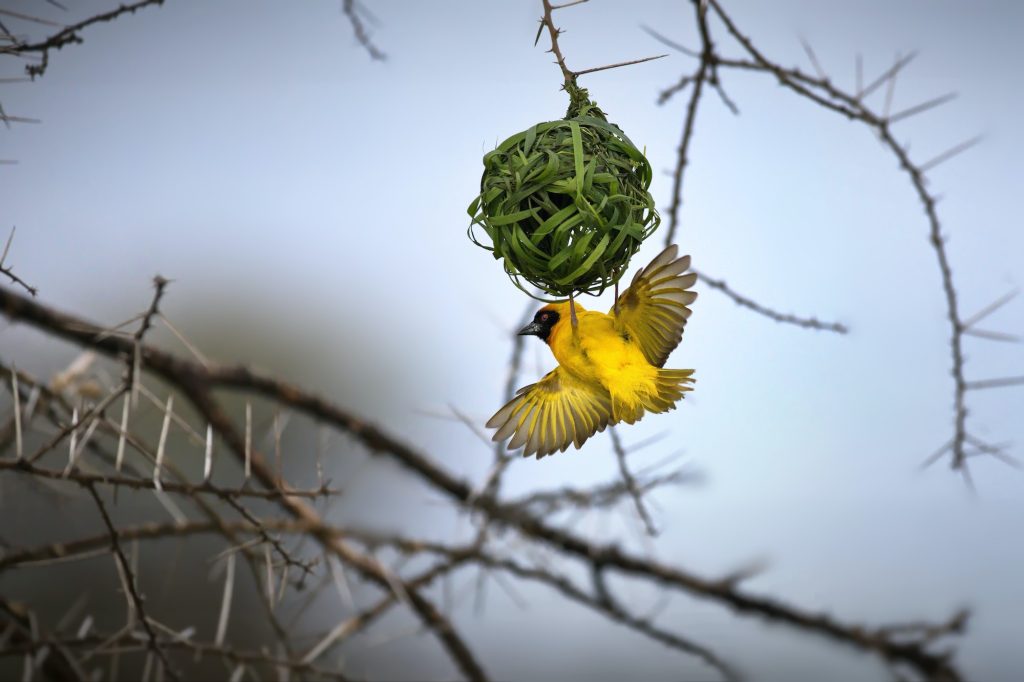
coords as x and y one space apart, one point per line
598 352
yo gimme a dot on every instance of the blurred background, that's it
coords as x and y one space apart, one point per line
309 204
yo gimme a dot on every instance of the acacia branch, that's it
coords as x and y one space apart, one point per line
350 9
70 36
629 483
197 382
129 582
568 75
7 270
751 304
820 90
696 80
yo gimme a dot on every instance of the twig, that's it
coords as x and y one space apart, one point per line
189 490
630 483
351 11
133 594
568 75
69 35
197 382
821 91
787 318
697 80
159 286
8 271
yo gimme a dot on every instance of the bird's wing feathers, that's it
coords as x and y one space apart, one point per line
552 414
653 310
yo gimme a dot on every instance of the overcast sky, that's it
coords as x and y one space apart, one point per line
298 191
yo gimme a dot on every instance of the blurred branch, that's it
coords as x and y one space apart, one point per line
197 382
187 489
9 272
120 643
351 10
546 502
629 482
24 635
69 35
615 612
128 581
37 52
283 537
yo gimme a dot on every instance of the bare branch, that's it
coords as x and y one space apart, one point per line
822 92
805 322
351 11
197 382
702 74
133 594
69 35
7 270
630 483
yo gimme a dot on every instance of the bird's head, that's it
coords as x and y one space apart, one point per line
546 319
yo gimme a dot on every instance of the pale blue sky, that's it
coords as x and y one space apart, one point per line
252 152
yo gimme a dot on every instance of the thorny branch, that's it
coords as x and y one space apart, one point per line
285 533
707 72
352 10
197 382
820 90
568 75
9 272
129 582
749 303
696 81
69 35
630 484
36 53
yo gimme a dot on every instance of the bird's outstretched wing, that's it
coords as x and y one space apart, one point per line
653 310
552 414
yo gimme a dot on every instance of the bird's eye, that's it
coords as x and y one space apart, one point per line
544 317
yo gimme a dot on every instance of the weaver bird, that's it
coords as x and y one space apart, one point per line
609 366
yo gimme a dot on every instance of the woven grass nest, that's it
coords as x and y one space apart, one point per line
565 203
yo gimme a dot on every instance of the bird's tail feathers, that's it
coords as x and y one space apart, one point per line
626 410
670 384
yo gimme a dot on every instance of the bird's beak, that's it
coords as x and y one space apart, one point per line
532 329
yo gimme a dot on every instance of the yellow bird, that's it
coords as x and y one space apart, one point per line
609 366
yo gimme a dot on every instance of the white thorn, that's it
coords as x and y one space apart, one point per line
123 435
161 446
74 441
225 605
248 440
17 414
208 457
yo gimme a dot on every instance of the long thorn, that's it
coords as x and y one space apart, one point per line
989 309
922 107
615 66
950 153
889 73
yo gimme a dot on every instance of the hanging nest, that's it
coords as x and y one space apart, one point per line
565 203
